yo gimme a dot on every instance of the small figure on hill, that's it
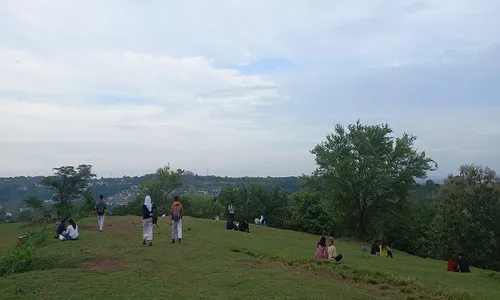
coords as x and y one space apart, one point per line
71 232
176 214
230 224
231 209
452 264
332 251
100 208
60 227
244 226
388 250
263 221
463 265
375 250
363 248
147 221
321 249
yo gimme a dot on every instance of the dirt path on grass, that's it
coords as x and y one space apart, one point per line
122 226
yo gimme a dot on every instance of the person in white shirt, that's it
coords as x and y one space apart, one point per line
71 232
231 210
332 250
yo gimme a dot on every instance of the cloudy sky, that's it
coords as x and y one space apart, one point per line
242 87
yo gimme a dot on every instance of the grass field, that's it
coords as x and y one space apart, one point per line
213 263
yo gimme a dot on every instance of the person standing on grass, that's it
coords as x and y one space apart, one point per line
100 208
231 209
147 221
176 214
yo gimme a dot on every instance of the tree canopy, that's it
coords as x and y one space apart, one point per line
34 202
159 186
69 183
365 172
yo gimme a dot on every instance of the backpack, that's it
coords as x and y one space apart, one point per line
101 208
154 212
177 213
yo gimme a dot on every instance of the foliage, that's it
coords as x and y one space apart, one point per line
466 218
69 184
3 215
366 172
89 203
24 216
255 201
132 208
310 215
160 185
34 202
202 206
20 259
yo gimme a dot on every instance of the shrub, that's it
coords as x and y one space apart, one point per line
20 259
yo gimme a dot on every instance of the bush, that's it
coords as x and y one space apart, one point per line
20 259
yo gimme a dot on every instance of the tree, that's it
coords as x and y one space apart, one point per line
365 172
89 203
69 183
3 215
161 184
310 215
466 218
33 202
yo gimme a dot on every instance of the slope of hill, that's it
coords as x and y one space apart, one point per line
213 263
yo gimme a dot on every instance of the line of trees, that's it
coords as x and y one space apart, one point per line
364 186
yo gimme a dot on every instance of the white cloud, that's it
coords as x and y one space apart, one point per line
129 86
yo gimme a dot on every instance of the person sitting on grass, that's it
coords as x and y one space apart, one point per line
463 265
244 226
452 264
321 249
60 228
71 232
332 251
229 224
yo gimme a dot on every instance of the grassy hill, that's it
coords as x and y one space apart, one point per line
213 263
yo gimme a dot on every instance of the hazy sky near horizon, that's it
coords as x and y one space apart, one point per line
242 87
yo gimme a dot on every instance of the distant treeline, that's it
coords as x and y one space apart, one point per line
14 190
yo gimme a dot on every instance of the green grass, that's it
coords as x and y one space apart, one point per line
213 263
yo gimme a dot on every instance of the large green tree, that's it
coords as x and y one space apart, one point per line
159 186
466 218
366 172
69 183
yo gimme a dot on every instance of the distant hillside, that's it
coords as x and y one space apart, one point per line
14 189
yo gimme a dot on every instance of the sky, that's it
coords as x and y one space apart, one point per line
242 88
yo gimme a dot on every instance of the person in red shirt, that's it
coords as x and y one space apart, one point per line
452 264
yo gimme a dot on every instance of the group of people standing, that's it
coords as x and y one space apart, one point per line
150 218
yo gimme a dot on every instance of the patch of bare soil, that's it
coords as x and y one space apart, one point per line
104 264
123 227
